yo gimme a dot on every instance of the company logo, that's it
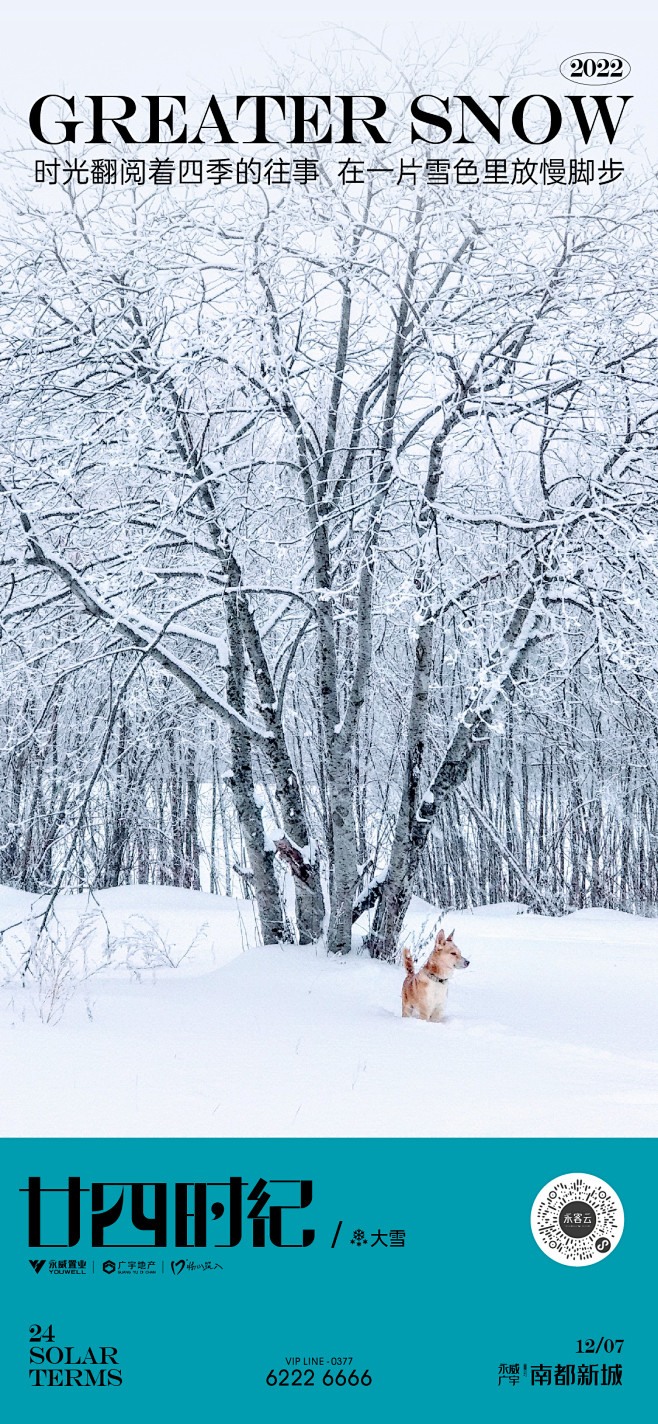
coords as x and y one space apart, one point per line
577 1219
37 1265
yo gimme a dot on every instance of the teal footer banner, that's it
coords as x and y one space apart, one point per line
328 1279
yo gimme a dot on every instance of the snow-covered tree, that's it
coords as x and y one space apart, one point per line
367 475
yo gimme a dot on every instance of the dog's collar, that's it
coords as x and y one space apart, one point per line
438 978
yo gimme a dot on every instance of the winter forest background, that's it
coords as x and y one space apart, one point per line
328 561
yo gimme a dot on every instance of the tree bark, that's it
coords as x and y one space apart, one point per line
417 814
261 857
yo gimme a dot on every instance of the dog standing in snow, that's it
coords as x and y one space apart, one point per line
425 990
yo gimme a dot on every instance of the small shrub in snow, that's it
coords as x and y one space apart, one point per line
51 963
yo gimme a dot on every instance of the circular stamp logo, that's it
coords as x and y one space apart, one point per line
577 1219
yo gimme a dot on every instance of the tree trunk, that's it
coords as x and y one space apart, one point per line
192 875
417 814
260 856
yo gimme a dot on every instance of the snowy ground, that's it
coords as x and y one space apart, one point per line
551 1031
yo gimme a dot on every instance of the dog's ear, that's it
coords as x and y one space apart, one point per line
451 934
441 938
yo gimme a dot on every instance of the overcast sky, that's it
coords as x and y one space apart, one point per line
137 46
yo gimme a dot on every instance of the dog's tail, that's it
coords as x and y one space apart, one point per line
407 960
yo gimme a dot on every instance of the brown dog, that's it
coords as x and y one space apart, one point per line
425 991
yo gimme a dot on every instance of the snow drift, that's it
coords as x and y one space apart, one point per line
190 1029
